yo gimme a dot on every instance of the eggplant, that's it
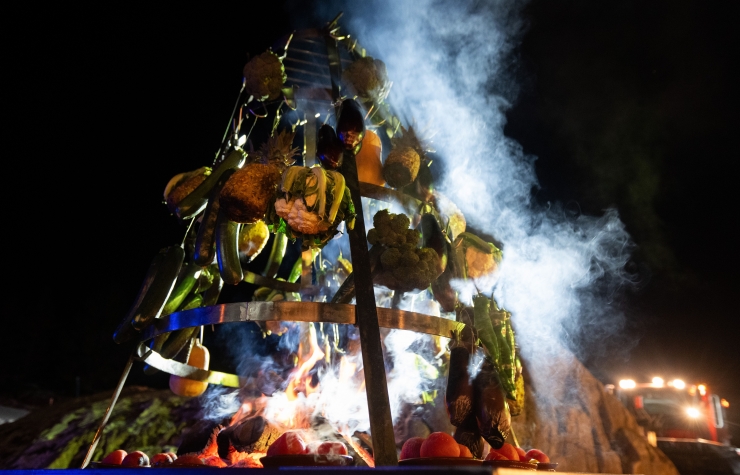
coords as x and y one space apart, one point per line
351 125
329 149
459 395
433 238
469 436
489 405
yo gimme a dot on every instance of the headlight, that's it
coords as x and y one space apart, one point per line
693 412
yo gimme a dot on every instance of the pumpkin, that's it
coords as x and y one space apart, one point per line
200 358
369 166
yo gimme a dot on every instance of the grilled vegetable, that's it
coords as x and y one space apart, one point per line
433 237
277 252
329 149
184 285
367 77
312 204
490 406
196 201
459 395
205 242
182 185
153 294
484 327
468 435
350 125
264 76
227 250
200 358
252 240
407 155
250 192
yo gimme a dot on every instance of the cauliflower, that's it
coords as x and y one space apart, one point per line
404 266
298 217
264 76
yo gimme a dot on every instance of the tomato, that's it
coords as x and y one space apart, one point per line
440 444
508 451
493 455
161 459
286 444
411 448
331 447
465 452
115 457
136 459
538 455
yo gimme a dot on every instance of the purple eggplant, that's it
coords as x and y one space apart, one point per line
351 125
468 435
329 149
459 395
489 405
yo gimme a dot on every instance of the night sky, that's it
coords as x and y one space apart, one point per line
629 105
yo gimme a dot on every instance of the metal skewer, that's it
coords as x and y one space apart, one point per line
114 398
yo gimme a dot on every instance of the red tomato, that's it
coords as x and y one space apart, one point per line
465 452
522 454
115 457
493 455
331 447
136 459
440 444
411 448
538 455
286 444
508 451
161 459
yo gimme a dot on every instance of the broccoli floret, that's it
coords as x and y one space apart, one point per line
400 223
382 218
427 254
389 239
372 236
409 259
413 236
390 257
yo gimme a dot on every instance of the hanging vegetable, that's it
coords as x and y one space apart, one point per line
199 358
264 76
250 191
312 204
367 78
407 154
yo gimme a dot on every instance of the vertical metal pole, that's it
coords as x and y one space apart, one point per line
114 398
379 407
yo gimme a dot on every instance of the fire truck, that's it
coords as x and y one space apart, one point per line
686 421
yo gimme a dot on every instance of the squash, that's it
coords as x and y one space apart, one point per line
200 358
369 166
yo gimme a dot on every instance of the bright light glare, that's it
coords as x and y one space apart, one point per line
702 389
725 403
678 384
693 412
658 381
627 384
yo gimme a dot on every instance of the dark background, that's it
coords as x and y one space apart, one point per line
629 104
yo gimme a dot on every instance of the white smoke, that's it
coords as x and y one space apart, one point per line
450 63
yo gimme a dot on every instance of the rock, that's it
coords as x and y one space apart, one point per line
569 415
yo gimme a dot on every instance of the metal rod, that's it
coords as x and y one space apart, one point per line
113 400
